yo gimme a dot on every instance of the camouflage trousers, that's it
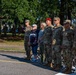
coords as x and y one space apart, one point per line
48 53
27 48
56 55
67 57
74 57
74 52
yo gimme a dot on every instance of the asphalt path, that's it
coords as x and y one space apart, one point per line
15 64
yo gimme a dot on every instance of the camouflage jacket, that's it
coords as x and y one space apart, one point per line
57 35
28 31
47 37
74 43
68 37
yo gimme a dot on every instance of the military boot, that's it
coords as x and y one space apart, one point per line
58 67
68 71
65 70
54 67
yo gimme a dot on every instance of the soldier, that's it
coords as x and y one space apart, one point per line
48 41
56 44
67 44
74 44
28 29
74 48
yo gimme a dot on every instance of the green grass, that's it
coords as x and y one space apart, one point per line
11 50
12 46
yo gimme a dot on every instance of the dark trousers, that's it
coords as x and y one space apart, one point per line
34 50
41 45
27 47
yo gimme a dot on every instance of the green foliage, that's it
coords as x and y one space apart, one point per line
15 8
34 9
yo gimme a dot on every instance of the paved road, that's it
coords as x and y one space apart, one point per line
15 64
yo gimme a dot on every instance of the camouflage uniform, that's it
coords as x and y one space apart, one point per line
56 46
74 47
74 44
26 40
67 47
47 43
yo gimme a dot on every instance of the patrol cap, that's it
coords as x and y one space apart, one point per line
67 22
27 20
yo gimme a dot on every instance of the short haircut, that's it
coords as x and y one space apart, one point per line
43 23
57 18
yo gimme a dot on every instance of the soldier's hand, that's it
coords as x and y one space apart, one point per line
53 41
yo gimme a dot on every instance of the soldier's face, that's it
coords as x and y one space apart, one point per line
56 21
26 23
48 22
66 26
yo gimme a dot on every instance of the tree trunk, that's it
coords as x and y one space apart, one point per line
69 10
62 11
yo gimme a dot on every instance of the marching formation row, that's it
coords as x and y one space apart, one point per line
57 43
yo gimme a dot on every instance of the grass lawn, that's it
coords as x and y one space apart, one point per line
13 46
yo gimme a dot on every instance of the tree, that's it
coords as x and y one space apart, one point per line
18 10
0 14
66 9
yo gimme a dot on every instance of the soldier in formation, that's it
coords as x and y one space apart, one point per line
55 41
56 44
67 45
28 29
47 40
74 48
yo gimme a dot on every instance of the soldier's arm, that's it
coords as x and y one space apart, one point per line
74 39
61 33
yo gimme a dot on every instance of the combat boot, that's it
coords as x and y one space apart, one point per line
54 67
48 64
68 71
58 67
64 70
27 58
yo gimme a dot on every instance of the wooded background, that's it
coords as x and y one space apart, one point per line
16 11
